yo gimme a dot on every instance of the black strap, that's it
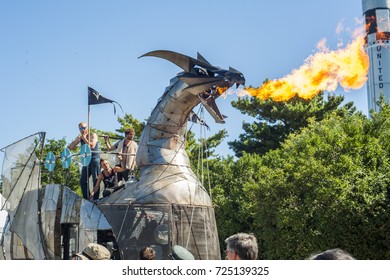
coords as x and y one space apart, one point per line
87 256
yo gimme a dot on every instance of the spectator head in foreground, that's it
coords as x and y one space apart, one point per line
93 251
147 253
241 246
180 253
332 254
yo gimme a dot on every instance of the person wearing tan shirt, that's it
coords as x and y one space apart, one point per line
127 150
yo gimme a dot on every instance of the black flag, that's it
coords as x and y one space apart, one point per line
96 98
196 119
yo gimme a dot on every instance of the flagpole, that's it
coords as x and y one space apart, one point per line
89 113
89 139
89 129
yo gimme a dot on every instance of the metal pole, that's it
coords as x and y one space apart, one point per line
89 139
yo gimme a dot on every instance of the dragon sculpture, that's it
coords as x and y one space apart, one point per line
167 206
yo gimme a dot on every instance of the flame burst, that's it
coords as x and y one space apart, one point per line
324 70
221 90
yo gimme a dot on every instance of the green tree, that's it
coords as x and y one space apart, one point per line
201 150
327 186
274 121
128 121
227 178
60 175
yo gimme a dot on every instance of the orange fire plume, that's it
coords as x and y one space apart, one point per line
324 70
221 90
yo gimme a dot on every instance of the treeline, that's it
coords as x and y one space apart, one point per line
325 185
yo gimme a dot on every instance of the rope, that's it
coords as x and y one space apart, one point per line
203 129
207 165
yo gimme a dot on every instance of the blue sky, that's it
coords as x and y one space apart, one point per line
50 51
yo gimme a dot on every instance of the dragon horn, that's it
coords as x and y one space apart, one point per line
184 62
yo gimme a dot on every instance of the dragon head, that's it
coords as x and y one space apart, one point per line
204 80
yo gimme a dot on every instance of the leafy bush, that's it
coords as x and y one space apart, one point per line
325 187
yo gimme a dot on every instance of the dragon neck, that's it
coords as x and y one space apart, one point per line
163 139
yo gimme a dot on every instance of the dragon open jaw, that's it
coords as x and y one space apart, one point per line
231 77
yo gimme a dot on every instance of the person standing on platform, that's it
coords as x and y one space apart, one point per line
94 166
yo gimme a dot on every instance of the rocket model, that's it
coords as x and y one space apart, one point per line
377 19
